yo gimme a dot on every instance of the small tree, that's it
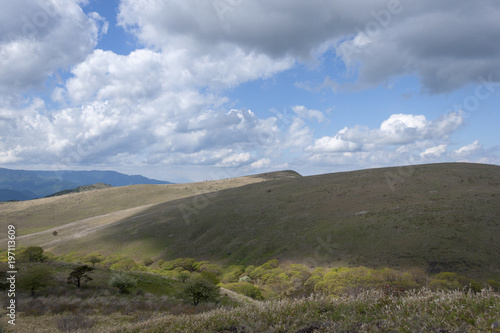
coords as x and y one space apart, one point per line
78 274
183 276
35 278
200 290
123 282
94 258
33 254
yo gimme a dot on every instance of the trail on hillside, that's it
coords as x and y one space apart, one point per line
81 228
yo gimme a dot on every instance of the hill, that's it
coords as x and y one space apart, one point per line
26 185
80 189
440 217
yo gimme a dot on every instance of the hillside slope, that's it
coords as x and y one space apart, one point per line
441 217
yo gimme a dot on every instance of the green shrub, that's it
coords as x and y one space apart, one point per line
200 290
123 282
233 274
210 277
494 285
35 278
127 265
453 281
78 274
211 268
32 254
94 258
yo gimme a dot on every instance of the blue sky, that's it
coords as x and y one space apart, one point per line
188 91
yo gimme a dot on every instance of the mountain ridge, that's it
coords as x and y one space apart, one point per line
33 184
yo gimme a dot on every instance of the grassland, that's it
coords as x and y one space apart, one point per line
371 311
442 217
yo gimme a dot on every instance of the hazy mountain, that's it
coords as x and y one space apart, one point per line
25 185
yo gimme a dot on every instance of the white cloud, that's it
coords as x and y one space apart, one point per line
469 149
434 152
165 104
39 37
381 40
399 129
334 144
260 164
235 160
303 112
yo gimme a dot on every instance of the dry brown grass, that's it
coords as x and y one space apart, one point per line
369 311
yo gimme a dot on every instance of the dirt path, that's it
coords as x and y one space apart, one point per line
80 228
242 299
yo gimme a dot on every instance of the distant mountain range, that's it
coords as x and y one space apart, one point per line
27 185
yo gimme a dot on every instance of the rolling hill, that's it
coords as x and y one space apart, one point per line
440 217
27 185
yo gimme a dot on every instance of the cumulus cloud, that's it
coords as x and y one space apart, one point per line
398 129
381 39
434 152
434 40
165 103
39 37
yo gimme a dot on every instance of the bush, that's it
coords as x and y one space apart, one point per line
127 265
233 274
94 258
200 290
32 254
494 285
35 278
181 264
78 274
453 281
123 282
214 279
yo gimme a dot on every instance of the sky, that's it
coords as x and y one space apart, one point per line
185 90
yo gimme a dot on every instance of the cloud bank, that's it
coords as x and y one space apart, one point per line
165 103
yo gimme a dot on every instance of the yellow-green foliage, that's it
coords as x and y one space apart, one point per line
341 280
452 281
94 258
127 265
181 264
210 268
233 273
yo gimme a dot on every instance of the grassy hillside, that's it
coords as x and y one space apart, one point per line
442 217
